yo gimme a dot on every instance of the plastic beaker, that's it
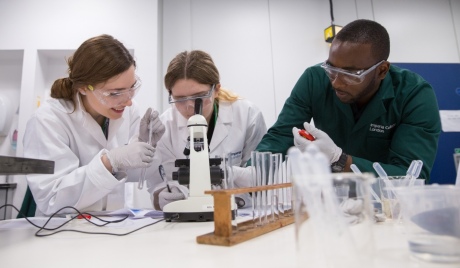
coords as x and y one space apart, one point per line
390 204
431 217
334 219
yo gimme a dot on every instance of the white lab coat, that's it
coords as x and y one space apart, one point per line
75 141
239 128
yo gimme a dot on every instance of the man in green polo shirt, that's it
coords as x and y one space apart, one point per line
364 109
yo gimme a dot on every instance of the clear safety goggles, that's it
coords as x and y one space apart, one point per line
203 96
348 77
117 96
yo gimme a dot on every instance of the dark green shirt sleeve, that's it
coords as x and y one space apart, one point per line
295 112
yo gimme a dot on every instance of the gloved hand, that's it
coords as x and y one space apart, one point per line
242 177
133 155
158 129
300 142
243 200
322 141
162 196
352 210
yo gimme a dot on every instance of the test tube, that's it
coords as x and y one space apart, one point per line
140 185
225 171
265 181
228 179
282 191
259 183
272 179
270 193
254 183
288 196
278 180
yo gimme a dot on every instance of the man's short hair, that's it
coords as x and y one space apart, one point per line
367 32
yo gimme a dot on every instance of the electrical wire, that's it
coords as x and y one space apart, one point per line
332 11
79 214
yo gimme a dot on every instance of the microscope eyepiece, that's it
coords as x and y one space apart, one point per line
199 106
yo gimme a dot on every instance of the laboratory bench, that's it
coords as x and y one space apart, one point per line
173 244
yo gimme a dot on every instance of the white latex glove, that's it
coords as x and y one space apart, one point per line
242 177
162 196
300 142
133 155
322 141
158 129
352 210
243 200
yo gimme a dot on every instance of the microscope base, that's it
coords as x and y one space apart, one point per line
192 216
192 209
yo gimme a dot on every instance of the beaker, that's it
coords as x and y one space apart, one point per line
390 203
334 219
431 219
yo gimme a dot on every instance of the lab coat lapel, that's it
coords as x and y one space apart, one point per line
114 131
346 110
94 129
89 123
223 123
376 107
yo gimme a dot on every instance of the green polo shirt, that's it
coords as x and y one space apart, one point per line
401 122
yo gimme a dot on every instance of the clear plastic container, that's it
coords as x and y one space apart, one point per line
390 204
334 221
431 217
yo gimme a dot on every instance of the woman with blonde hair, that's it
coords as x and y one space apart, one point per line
235 125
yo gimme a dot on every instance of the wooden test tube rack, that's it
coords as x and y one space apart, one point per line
227 235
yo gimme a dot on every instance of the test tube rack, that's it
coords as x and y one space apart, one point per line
225 234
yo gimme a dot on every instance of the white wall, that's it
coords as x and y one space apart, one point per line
46 31
261 47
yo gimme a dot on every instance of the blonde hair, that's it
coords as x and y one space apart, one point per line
226 95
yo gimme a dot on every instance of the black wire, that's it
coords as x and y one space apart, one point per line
332 11
82 215
85 232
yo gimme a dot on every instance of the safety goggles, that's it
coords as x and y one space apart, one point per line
204 95
115 97
348 77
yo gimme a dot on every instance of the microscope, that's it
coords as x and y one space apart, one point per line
199 172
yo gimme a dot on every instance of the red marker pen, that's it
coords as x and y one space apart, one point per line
306 135
86 216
